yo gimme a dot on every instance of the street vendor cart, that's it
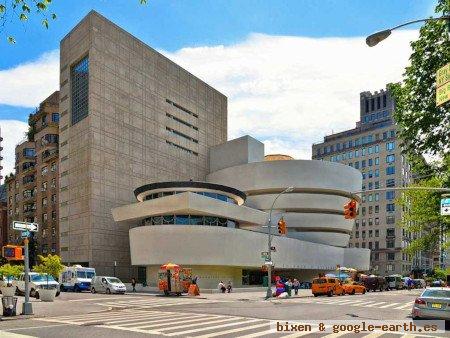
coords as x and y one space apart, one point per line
173 279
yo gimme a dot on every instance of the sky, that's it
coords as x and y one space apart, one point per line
292 70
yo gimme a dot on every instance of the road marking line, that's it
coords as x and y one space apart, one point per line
13 335
88 299
105 319
374 334
175 319
239 329
402 307
362 303
341 333
389 305
375 304
127 321
99 317
300 334
248 321
33 327
204 321
98 314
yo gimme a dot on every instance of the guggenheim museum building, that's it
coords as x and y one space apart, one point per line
218 227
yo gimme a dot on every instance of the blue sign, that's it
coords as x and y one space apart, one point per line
25 234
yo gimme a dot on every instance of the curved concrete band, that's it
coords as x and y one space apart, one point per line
314 210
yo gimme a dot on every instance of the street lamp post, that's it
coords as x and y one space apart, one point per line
377 37
269 241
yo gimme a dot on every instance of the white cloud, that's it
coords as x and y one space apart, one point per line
287 91
13 132
291 91
29 83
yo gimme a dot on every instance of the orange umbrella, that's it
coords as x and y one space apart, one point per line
169 266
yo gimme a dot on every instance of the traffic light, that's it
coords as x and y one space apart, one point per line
282 229
350 209
12 252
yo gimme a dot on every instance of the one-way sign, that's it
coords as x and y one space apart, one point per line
22 226
445 207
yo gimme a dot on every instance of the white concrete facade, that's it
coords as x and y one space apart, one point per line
177 227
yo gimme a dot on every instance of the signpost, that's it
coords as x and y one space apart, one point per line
26 229
443 85
265 255
445 206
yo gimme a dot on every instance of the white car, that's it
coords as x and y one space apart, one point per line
37 281
106 284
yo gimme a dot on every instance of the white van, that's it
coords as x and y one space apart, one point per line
106 284
76 278
37 281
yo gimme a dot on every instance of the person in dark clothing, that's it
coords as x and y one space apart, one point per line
133 284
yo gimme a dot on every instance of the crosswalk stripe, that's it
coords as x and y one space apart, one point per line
374 335
165 317
332 335
105 315
239 329
247 321
122 321
402 307
166 322
87 314
363 303
388 305
163 323
301 334
376 304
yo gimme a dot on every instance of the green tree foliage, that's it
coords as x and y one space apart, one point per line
50 265
11 271
19 11
422 217
423 127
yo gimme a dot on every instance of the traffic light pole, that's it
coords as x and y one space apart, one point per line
269 244
27 308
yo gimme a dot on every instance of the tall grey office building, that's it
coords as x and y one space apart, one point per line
373 148
129 116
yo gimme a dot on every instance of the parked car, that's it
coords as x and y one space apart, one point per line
394 282
352 287
105 284
438 283
327 286
433 303
374 283
37 282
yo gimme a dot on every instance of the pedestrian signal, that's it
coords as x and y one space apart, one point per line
282 229
350 209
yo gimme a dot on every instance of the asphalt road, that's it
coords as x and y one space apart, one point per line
236 315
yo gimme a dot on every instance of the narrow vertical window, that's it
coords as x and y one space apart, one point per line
80 90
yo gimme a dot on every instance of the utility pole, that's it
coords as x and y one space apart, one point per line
27 307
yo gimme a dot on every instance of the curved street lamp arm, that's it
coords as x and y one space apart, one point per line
444 17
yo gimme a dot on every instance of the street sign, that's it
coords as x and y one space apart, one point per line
22 226
25 234
443 85
445 206
268 263
264 255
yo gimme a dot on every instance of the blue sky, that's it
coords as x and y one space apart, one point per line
311 38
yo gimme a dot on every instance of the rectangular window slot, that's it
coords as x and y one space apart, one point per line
79 75
181 121
182 148
181 108
176 132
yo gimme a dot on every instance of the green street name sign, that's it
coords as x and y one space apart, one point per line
443 85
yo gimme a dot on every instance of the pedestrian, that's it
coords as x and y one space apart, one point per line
221 287
133 284
195 280
296 285
289 287
229 286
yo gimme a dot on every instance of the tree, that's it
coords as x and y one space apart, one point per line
49 266
12 11
423 127
11 271
421 216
